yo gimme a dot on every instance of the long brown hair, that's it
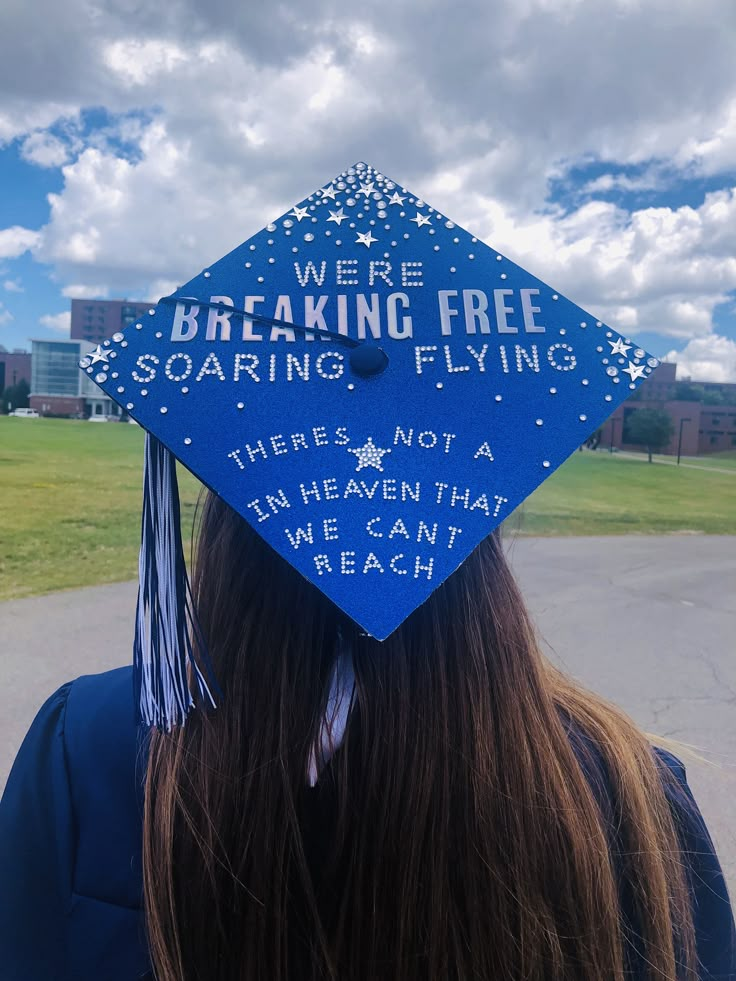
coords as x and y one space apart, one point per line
484 817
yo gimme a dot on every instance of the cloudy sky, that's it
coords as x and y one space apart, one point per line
593 141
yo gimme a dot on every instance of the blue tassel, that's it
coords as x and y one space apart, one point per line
166 674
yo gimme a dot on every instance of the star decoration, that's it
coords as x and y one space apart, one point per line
634 371
365 238
329 192
366 189
337 216
396 198
369 455
299 213
421 220
98 355
618 347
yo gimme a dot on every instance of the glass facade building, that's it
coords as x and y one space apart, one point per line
58 387
55 368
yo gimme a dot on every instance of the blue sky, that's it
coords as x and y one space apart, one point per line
593 143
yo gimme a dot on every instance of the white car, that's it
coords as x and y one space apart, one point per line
25 414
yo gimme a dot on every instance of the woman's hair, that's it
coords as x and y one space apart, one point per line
484 818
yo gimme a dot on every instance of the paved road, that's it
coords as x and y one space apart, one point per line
650 622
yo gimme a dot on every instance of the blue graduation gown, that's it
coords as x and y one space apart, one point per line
70 847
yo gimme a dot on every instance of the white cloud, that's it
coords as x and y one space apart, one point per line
477 106
45 150
5 315
707 359
13 286
83 291
16 240
59 322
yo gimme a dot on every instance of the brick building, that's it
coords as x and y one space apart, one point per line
96 320
703 428
58 387
15 366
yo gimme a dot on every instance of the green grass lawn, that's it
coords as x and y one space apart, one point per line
70 499
719 461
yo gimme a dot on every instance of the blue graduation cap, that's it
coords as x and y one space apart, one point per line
372 388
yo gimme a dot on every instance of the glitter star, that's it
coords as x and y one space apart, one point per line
365 238
396 198
618 347
329 192
299 213
337 216
634 371
366 189
421 220
98 355
369 455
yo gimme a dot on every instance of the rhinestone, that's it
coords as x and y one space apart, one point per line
309 237
163 410
117 337
100 377
612 372
187 441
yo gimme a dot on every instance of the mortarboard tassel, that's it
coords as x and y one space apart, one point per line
167 631
337 712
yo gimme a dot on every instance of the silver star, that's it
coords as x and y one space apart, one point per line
337 216
618 347
396 198
299 213
98 355
365 238
366 189
634 371
369 455
421 220
329 192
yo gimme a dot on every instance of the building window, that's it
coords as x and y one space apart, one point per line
715 421
713 440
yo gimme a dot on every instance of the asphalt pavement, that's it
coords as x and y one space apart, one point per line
649 622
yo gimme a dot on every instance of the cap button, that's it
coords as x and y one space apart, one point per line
367 360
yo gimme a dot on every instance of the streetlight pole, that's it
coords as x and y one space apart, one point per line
679 441
613 423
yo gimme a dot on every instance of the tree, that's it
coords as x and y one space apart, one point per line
686 391
652 428
714 397
15 396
